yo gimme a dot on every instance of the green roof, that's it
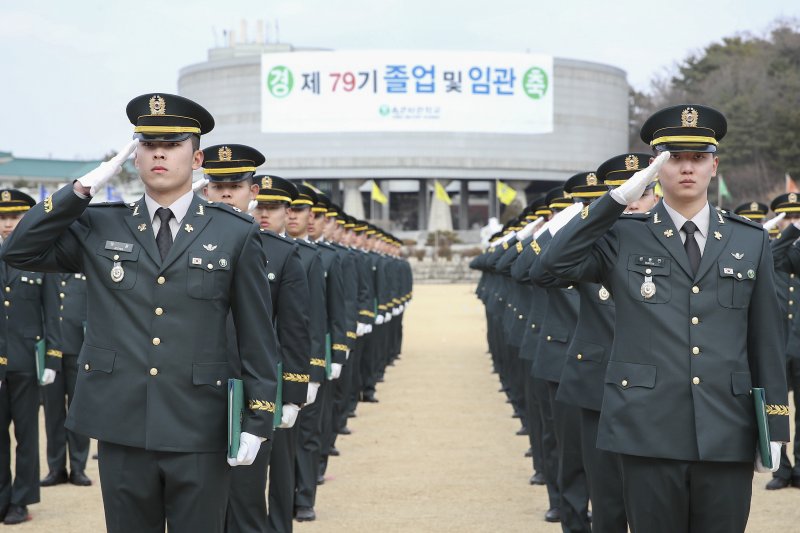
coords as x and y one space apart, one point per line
49 169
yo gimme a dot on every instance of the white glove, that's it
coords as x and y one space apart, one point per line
252 206
249 445
562 217
775 452
634 187
360 327
347 355
396 310
387 317
94 179
527 231
48 376
289 415
198 185
367 329
379 319
771 223
311 394
336 371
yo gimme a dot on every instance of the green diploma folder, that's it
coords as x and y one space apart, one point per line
279 398
235 408
763 427
39 352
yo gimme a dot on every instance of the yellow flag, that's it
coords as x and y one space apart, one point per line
377 194
505 193
441 193
659 192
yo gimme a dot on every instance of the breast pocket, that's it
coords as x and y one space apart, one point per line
209 274
648 279
118 269
736 280
30 286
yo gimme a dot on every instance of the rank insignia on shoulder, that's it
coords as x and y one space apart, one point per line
584 212
48 204
519 247
200 210
655 219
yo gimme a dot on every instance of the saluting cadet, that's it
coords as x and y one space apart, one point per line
787 267
163 274
230 173
697 326
70 308
310 443
29 299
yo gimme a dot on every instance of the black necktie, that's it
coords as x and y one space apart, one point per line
164 237
691 246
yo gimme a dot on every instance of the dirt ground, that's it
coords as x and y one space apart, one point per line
437 454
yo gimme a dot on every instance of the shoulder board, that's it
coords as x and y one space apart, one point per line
301 242
232 210
110 204
635 216
325 245
743 220
272 236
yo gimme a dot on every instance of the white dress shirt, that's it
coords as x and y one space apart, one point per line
702 220
179 208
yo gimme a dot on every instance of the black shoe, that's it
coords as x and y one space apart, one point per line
778 483
79 478
380 379
516 415
522 431
796 482
333 452
320 479
54 478
351 414
305 514
16 514
344 431
553 515
3 511
537 479
369 398
529 453
94 456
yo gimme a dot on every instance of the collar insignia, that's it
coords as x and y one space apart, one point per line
136 210
200 210
188 228
718 235
668 233
142 227
655 219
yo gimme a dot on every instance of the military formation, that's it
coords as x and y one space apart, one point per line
629 322
141 312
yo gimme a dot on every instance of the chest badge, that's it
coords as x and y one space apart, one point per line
210 247
737 255
223 263
603 293
117 272
648 289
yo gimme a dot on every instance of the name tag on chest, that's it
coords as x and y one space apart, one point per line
119 246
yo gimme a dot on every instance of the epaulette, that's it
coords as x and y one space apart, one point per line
739 218
635 216
267 234
232 210
325 245
112 204
302 242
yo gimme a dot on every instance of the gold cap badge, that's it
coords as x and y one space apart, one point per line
631 162
689 118
591 179
225 154
266 182
157 105
792 197
754 206
6 196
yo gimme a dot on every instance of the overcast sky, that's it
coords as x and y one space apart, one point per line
67 69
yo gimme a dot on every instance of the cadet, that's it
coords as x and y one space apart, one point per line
163 274
70 308
230 170
677 403
29 298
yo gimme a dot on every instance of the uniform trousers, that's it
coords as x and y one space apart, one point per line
282 480
57 397
143 489
786 471
309 446
571 476
604 477
533 417
549 464
669 496
19 402
247 501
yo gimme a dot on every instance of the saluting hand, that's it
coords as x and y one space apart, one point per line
198 185
634 187
94 179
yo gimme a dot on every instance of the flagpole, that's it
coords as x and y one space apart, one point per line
719 190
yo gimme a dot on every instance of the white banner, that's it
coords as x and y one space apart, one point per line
391 91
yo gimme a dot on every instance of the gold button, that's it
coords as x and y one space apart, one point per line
38 337
7 303
116 257
61 318
219 382
624 382
63 283
161 280
61 295
739 275
648 271
210 266
156 341
695 320
8 289
533 326
579 356
521 317
86 366
696 350
695 289
549 338
154 371
791 289
696 380
791 302
61 307
791 276
159 311
790 316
